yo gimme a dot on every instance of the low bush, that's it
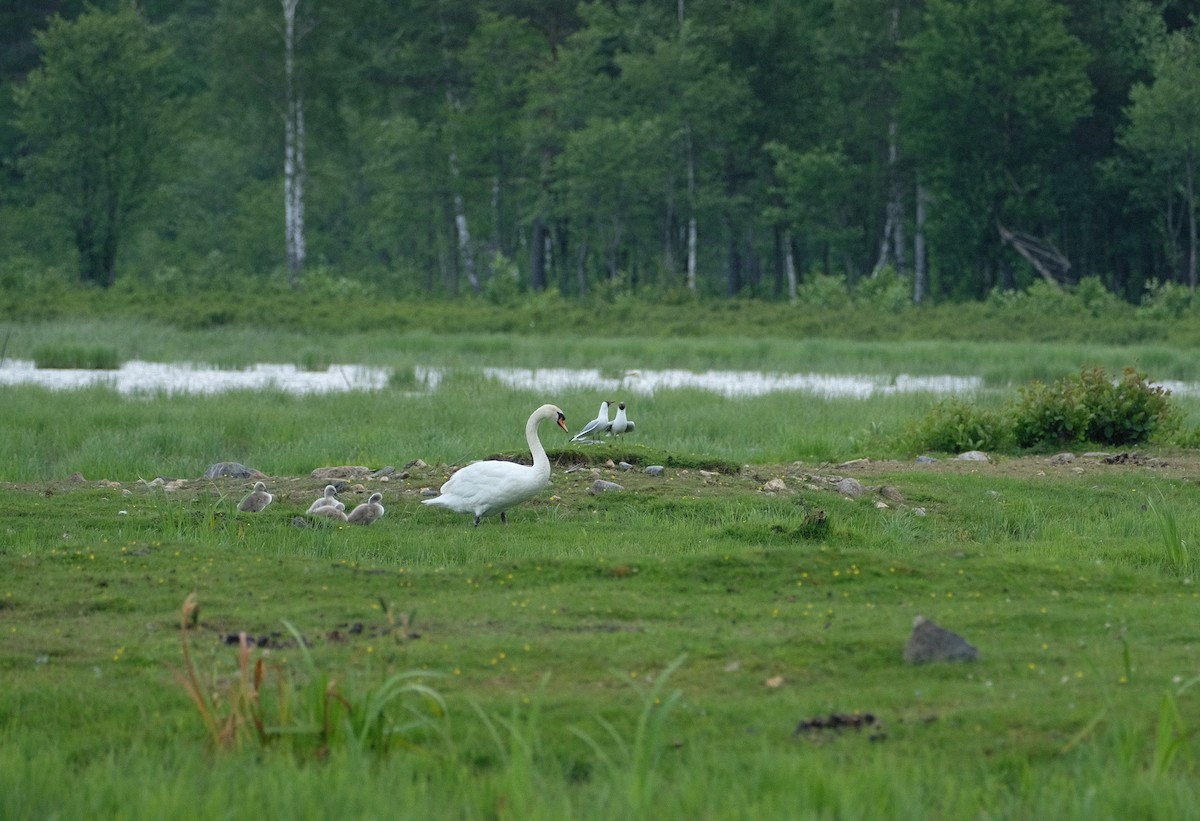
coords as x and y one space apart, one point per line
1089 407
955 425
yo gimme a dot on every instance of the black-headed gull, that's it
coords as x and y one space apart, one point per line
484 488
621 423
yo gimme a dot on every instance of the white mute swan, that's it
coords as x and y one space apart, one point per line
367 512
596 427
621 424
326 499
256 500
484 488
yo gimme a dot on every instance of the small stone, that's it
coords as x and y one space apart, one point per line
973 456
655 470
383 472
603 486
429 491
926 460
855 463
624 466
416 463
775 486
891 493
1061 459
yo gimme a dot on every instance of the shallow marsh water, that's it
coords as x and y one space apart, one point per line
137 376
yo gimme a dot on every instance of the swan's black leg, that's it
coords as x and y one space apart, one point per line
504 516
476 521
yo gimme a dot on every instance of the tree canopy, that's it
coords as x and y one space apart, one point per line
725 147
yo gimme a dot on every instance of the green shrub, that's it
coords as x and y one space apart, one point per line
1087 407
1091 407
884 292
955 425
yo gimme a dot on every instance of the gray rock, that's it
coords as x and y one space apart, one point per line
931 642
231 470
655 470
624 466
926 460
603 486
1061 459
891 493
384 471
850 487
973 456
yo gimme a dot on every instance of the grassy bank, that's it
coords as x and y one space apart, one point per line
658 652
549 643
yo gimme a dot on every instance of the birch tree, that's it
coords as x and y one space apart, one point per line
294 169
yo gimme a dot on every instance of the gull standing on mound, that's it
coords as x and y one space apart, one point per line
493 486
596 427
621 424
256 500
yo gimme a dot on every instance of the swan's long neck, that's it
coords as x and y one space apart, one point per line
541 462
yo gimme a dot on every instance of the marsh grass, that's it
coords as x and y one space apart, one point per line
73 356
1176 552
307 710
1001 364
642 654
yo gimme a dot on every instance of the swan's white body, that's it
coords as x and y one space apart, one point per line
367 512
484 488
326 499
621 423
596 427
257 499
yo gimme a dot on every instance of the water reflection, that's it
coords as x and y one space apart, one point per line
171 378
152 377
734 383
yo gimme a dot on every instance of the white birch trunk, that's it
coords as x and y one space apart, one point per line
1190 171
691 229
920 267
293 152
789 266
463 228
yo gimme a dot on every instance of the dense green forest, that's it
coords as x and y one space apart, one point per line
726 147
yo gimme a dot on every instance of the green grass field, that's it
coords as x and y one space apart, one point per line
649 653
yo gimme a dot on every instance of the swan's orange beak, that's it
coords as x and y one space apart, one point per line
562 422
